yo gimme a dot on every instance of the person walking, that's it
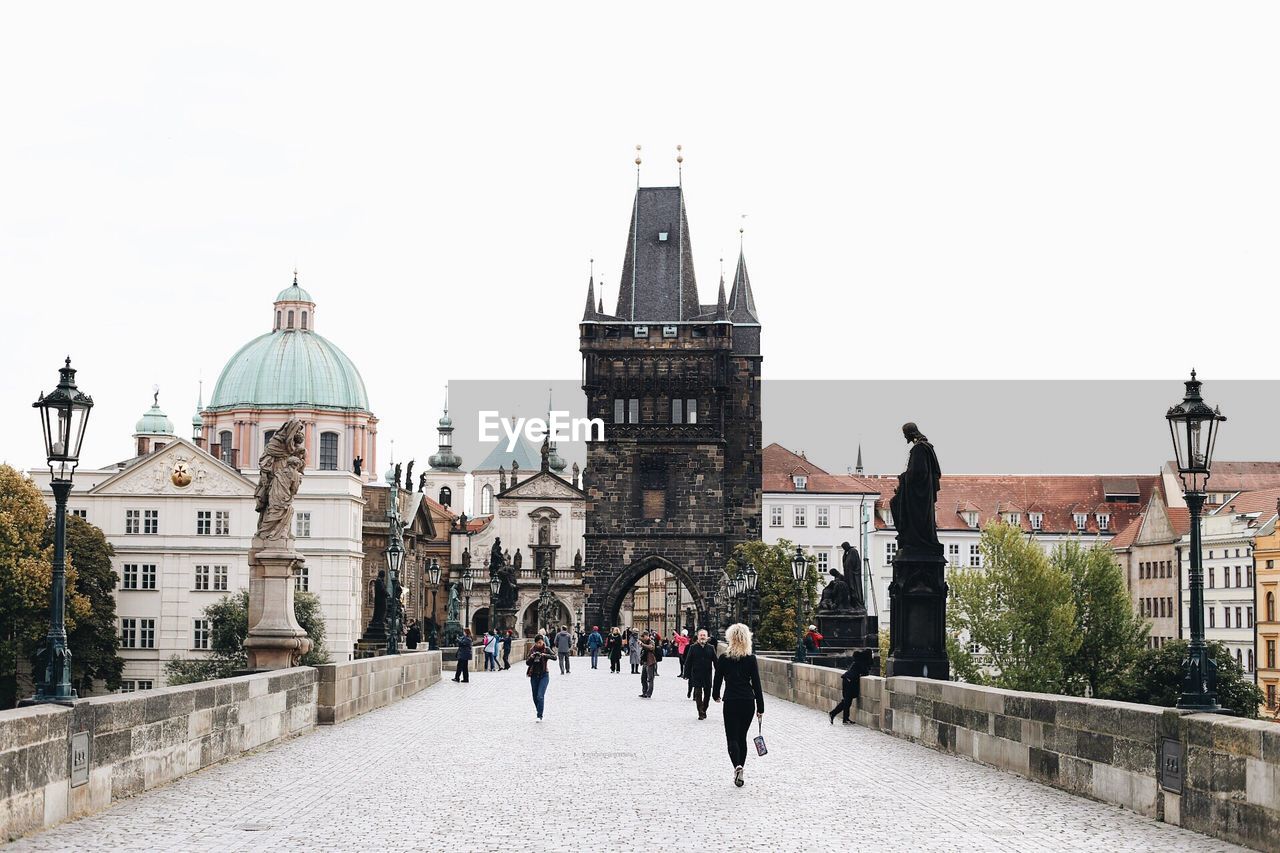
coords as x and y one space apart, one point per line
539 674
681 641
494 645
464 656
634 649
615 650
594 642
739 674
582 642
648 663
699 667
564 643
413 637
506 650
851 685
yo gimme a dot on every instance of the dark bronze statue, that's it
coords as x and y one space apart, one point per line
502 479
843 594
397 474
378 588
913 503
356 465
422 482
408 477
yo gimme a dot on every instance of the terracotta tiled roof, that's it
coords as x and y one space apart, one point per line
439 507
1241 476
1057 497
1180 518
1126 537
782 465
1262 501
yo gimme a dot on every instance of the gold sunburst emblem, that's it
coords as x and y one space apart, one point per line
181 474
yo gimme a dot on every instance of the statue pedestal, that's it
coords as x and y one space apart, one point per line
452 631
918 617
848 630
276 640
505 619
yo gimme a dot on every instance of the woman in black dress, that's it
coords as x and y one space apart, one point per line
739 674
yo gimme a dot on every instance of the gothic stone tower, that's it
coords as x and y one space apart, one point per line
676 482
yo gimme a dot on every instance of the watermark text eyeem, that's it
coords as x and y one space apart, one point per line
559 426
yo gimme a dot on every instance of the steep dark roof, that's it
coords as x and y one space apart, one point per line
742 304
657 283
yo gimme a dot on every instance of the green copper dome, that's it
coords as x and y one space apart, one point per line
154 422
290 368
294 293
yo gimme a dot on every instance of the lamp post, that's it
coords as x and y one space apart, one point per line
495 584
64 412
799 568
467 581
750 579
544 597
1194 429
395 561
433 577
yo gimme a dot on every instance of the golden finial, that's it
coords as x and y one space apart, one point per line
637 156
679 156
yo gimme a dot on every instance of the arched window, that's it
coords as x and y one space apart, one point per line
1271 607
226 452
266 437
277 319
446 496
328 451
290 318
304 321
486 500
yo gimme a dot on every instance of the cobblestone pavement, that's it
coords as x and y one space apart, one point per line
465 767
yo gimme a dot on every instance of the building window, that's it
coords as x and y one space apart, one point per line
446 496
137 633
147 576
1213 622
220 578
132 520
1248 576
204 522
1104 520
1271 695
486 500
1239 624
290 316
222 523
822 516
890 551
677 410
653 485
132 685
138 576
226 451
633 411
304 321
277 319
129 576
824 561
619 411
1081 520
691 411
775 516
1249 658
1248 612
1209 574
151 521
1013 518
1037 520
640 332
798 516
669 331
846 516
80 513
800 481
200 634
302 525
1226 577
1271 607
953 554
971 518
302 578
202 578
975 556
1271 654
328 451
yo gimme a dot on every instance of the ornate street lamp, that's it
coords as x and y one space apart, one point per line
1194 429
64 412
467 581
495 585
799 568
750 579
433 577
395 561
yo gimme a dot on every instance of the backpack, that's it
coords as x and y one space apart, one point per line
657 652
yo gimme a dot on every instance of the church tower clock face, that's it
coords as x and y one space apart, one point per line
181 474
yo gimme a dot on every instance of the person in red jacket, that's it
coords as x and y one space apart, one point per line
813 640
681 642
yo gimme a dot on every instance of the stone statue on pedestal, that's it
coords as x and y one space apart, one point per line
452 609
279 476
378 589
913 505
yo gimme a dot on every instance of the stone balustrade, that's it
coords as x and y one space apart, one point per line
1226 768
345 690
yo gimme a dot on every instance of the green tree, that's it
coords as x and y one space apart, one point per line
1156 679
775 590
1112 635
1018 607
94 640
229 626
25 573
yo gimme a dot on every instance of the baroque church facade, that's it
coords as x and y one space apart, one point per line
676 482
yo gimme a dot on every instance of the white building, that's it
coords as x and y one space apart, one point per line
817 510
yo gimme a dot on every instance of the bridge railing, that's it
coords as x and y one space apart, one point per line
1212 773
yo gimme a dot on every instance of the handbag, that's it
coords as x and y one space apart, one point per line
761 749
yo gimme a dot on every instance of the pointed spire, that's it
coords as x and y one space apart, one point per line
742 304
722 304
858 466
588 313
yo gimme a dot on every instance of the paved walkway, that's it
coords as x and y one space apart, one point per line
464 767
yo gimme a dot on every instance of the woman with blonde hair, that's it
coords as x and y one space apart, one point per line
739 673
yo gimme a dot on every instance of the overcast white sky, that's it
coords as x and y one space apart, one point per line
1070 190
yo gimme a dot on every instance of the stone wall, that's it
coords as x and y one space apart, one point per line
1108 751
127 743
348 689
